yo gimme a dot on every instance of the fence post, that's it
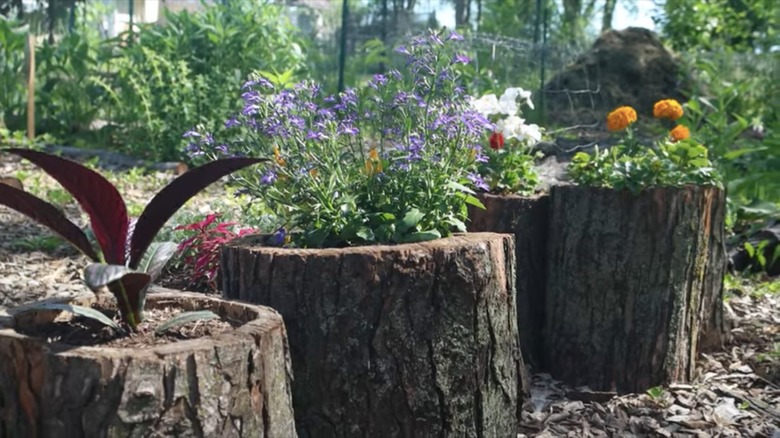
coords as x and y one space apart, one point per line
31 87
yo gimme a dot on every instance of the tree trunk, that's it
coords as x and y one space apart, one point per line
236 384
527 219
606 17
632 280
403 340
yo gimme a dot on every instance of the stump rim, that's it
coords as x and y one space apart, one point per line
646 191
251 242
255 317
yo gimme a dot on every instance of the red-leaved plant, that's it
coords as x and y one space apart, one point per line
201 250
127 261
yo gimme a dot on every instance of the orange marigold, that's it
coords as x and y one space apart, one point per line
680 132
620 118
667 109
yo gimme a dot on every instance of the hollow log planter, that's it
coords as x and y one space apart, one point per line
399 340
527 219
634 281
236 384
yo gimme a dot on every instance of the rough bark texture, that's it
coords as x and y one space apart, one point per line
393 341
527 218
233 385
632 281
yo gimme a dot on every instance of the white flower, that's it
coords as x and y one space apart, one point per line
510 127
533 131
515 127
511 95
486 105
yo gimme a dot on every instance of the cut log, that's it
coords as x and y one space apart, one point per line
633 280
236 384
404 340
527 219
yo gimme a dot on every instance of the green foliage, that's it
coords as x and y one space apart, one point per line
510 170
13 37
738 25
174 76
667 165
734 112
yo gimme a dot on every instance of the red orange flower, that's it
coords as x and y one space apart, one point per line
620 118
667 109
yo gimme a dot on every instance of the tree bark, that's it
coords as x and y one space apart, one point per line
236 384
404 340
527 219
632 281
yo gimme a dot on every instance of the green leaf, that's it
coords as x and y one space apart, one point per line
750 249
460 187
473 200
156 257
184 318
365 233
410 220
421 236
76 310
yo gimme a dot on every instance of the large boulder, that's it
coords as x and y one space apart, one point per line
624 67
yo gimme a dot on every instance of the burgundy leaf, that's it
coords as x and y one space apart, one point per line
47 215
176 194
96 195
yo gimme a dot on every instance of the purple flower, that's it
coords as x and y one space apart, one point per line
268 178
316 135
435 39
461 59
348 129
478 182
193 150
402 50
231 122
222 149
455 36
479 156
190 133
278 238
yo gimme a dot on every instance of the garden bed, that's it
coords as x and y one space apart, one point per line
735 392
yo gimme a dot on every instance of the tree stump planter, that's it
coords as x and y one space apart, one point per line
393 341
527 218
634 281
234 384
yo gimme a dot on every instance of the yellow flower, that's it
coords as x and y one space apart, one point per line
620 118
278 157
680 132
667 109
314 173
373 164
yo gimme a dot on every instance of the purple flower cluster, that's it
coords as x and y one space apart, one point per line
417 118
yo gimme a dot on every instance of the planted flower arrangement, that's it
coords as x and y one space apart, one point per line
512 205
117 363
399 324
636 259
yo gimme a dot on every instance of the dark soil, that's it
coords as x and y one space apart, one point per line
83 331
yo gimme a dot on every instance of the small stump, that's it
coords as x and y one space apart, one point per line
527 218
633 281
235 384
405 340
